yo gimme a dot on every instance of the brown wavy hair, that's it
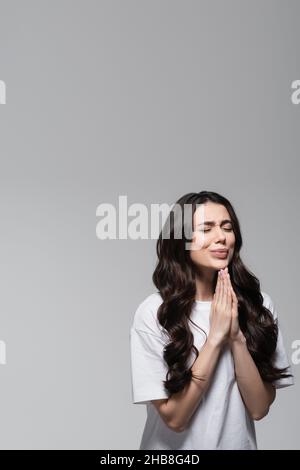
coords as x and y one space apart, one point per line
174 277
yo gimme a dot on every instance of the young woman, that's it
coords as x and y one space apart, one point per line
207 353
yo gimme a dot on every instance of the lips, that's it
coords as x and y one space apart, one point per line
220 253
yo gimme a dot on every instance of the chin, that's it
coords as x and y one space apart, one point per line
222 263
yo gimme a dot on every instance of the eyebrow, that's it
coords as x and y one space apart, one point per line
212 222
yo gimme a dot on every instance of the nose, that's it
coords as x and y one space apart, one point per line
220 234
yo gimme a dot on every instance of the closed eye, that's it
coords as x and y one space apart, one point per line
226 230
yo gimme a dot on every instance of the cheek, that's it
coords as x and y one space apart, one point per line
231 240
201 242
199 246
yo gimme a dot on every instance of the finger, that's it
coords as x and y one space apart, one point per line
234 296
234 301
215 297
218 287
228 276
232 291
235 312
228 291
229 280
218 292
231 288
222 290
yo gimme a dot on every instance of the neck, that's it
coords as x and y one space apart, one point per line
205 284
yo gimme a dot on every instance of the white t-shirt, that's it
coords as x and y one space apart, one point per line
221 420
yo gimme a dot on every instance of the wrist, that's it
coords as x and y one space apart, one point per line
238 339
215 342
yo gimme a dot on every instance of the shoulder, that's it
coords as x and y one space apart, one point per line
268 303
145 316
267 298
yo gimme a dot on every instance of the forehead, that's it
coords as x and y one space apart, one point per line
210 212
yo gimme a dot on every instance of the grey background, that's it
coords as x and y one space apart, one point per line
149 99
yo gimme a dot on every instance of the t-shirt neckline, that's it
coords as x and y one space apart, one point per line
203 304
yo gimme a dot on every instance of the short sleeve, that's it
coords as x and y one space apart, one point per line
148 368
280 357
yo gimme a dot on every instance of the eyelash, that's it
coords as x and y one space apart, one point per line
226 229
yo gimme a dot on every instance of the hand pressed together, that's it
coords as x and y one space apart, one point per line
224 322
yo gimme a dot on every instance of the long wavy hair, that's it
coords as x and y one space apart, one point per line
174 277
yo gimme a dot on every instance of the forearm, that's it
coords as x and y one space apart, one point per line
182 405
256 394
